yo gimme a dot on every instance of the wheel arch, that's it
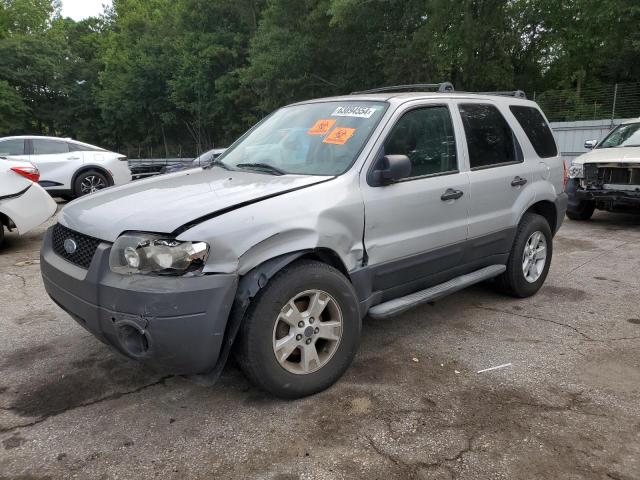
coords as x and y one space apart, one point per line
88 168
250 284
546 209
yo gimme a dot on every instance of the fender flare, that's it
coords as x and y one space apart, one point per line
248 287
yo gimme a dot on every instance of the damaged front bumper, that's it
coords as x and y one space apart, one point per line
604 198
174 323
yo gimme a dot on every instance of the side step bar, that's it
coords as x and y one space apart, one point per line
399 305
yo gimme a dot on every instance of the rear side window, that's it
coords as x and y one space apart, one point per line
425 135
12 147
537 130
77 147
489 137
43 146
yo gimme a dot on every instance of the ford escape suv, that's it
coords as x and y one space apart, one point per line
325 211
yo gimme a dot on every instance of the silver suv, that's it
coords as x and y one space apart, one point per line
325 211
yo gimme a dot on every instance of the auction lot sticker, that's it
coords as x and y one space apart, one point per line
321 127
339 136
354 111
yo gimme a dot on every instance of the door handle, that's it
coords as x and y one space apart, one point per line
518 181
73 158
451 194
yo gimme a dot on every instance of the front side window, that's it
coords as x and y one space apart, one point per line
537 130
311 139
426 136
11 147
627 135
489 137
43 146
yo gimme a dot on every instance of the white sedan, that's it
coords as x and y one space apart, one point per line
68 168
23 203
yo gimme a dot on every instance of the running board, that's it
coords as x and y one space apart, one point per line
399 305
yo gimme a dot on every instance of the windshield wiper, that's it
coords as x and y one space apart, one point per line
263 167
217 163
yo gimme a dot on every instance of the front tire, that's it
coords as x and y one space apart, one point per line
89 182
530 257
301 331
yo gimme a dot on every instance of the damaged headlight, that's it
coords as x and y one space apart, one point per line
156 254
576 170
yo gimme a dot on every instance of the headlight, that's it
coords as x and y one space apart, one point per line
576 170
157 254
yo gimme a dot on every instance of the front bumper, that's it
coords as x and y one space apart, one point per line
604 198
174 323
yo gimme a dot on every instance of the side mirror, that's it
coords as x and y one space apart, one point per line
590 144
390 169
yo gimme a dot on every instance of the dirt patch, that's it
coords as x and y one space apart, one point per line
24 358
13 442
635 321
566 293
98 377
567 244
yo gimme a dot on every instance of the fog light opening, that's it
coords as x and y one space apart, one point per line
133 340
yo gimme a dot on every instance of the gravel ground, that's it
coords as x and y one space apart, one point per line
411 406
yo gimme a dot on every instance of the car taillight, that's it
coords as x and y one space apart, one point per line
30 173
123 158
565 174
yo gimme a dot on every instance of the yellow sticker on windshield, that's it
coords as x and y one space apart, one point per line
321 127
339 136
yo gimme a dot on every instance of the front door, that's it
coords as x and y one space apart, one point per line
416 228
55 162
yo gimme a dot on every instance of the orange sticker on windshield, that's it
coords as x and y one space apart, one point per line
339 136
321 127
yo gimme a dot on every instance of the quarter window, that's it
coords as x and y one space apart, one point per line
537 130
49 147
426 136
489 138
12 147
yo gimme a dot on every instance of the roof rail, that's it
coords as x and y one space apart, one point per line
514 93
441 87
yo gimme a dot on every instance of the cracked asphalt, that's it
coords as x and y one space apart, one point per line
411 406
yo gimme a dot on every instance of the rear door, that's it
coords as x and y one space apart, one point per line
412 231
498 177
55 162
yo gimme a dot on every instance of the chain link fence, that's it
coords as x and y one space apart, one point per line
599 102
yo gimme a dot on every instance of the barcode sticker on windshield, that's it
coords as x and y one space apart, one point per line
339 136
354 111
321 127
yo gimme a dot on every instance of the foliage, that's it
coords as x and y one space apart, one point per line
175 77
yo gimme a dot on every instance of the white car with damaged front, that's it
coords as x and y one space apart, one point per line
607 177
68 168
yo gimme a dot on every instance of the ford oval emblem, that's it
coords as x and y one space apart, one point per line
70 246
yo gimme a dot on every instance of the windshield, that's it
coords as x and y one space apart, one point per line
627 135
310 139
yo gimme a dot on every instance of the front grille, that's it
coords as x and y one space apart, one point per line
85 246
597 175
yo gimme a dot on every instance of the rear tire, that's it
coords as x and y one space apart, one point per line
526 271
280 327
89 182
1 233
582 211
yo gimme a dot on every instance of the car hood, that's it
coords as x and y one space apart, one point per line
163 204
617 155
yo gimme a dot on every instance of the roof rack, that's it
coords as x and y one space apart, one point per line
441 87
514 93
